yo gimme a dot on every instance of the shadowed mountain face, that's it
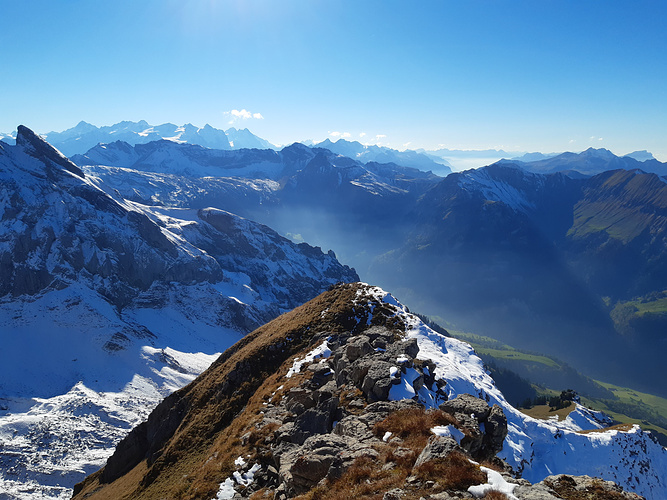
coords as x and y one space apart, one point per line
537 260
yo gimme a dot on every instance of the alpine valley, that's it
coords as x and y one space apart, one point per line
140 266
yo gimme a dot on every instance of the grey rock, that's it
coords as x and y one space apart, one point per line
376 383
467 404
354 427
437 447
298 400
357 347
320 456
495 431
535 492
317 420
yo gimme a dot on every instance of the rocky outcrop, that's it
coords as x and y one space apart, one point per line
321 437
486 426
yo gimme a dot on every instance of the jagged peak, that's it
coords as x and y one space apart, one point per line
37 147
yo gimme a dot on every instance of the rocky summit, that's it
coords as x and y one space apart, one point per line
352 396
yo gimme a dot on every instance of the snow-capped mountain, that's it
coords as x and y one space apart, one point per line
9 138
310 193
244 139
82 137
381 154
108 305
196 161
323 383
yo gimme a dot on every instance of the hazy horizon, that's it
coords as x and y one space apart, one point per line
518 76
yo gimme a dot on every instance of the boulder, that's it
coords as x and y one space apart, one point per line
437 447
468 405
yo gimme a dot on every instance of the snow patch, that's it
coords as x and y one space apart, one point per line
495 482
322 351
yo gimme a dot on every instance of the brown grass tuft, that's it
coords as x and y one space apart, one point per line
495 495
413 424
363 479
454 472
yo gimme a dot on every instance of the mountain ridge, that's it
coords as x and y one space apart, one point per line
191 443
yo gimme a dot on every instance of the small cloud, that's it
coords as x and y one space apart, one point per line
362 134
405 146
572 141
342 135
243 114
380 136
594 138
599 138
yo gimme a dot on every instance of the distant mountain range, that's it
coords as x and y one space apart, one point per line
379 154
593 161
83 136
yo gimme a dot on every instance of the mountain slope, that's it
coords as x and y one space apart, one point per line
539 253
113 305
310 193
294 413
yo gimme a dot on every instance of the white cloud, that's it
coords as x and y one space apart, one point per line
572 141
362 134
243 114
380 136
342 135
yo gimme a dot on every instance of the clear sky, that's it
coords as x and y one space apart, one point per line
534 75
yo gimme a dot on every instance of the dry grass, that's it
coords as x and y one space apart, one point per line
617 427
495 495
454 472
565 487
363 479
544 412
370 478
413 425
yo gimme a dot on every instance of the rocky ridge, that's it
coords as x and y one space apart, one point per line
348 395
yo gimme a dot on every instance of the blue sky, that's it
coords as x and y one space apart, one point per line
535 75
